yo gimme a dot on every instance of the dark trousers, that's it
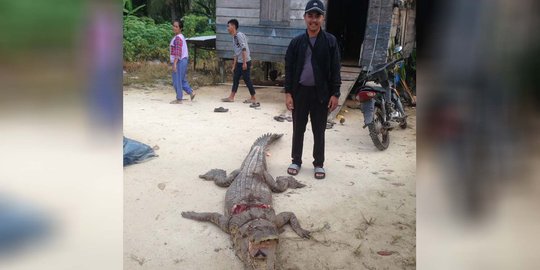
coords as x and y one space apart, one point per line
238 71
307 103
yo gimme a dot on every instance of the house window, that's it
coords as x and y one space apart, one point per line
275 12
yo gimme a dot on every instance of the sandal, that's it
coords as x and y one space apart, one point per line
192 96
319 173
255 105
227 100
176 101
221 109
293 169
249 101
279 118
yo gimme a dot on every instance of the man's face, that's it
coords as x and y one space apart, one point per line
231 28
313 20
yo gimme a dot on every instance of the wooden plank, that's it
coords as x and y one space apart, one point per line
349 76
298 4
346 87
297 15
256 22
265 10
381 3
275 10
257 30
278 58
351 69
284 42
237 4
242 21
254 48
238 12
381 32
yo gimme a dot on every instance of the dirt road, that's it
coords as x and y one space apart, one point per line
362 214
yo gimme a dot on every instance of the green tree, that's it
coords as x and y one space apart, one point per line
205 8
128 8
168 10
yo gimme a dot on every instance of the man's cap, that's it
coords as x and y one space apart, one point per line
315 5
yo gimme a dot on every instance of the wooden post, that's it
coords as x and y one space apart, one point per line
266 71
195 59
222 69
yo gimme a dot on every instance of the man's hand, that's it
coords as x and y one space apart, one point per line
289 102
244 66
333 103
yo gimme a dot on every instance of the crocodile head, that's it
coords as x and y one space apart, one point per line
256 244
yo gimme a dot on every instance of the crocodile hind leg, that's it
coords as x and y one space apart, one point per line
216 218
281 183
220 177
289 217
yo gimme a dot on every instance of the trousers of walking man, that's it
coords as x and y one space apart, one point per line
312 85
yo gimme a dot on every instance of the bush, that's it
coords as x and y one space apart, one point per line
197 26
145 40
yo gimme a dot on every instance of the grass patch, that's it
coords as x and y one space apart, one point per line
145 72
150 73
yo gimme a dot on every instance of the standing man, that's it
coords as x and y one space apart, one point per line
312 82
179 60
241 64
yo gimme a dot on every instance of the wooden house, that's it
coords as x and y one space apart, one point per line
363 28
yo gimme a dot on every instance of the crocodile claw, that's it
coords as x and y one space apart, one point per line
304 233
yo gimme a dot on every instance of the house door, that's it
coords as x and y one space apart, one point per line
346 19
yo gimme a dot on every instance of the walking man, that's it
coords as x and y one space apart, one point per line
312 85
241 64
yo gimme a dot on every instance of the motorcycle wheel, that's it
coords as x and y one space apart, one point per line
379 135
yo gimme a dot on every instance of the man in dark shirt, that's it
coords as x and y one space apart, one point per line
312 82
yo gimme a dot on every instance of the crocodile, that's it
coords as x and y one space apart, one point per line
249 217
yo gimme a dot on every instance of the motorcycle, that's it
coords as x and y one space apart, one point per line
380 105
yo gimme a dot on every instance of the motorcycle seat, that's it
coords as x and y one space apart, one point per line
378 89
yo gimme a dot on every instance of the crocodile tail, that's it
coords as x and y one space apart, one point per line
266 139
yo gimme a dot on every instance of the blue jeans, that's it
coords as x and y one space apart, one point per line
179 78
246 75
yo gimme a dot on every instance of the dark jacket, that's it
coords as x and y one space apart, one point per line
325 60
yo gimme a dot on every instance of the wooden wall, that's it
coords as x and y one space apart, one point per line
409 34
404 19
379 23
267 41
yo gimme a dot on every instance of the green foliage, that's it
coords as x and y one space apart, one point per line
205 8
145 40
197 26
50 24
128 8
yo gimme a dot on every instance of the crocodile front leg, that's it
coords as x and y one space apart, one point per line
281 183
219 177
289 217
216 218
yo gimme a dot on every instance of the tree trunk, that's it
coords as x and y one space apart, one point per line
173 10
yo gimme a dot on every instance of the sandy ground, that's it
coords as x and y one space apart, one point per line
365 205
